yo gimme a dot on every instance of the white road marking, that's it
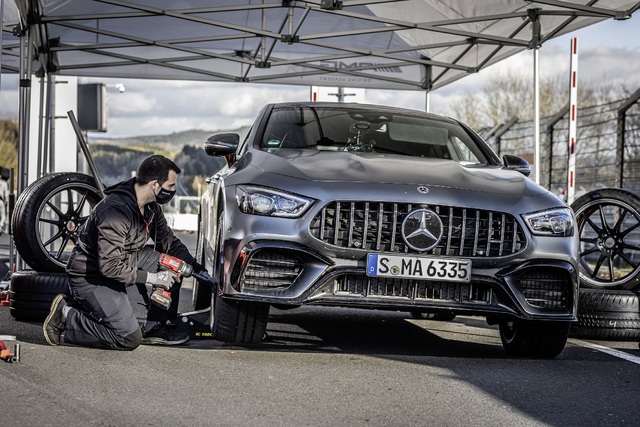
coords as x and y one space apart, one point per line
616 353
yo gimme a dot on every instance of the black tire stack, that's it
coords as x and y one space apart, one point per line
608 222
59 202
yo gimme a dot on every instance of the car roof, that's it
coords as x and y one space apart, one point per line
366 107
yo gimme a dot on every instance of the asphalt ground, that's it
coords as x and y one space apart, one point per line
317 367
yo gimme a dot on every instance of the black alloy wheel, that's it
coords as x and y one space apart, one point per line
48 216
608 223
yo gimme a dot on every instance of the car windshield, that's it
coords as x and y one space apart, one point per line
363 130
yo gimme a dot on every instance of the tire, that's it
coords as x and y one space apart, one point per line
610 315
534 338
608 223
444 317
45 225
238 322
31 294
201 297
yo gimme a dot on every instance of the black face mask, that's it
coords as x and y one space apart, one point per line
164 196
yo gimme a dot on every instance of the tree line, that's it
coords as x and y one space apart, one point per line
116 163
509 94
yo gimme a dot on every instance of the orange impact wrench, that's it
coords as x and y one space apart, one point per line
162 297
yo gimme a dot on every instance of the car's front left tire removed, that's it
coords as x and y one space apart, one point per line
31 294
608 314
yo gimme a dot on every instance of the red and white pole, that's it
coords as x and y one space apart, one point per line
573 112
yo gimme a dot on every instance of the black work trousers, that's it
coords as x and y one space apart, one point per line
101 315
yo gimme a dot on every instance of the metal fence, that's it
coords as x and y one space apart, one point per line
608 145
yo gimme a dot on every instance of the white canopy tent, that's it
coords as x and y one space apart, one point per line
404 44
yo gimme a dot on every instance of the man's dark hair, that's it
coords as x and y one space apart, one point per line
155 167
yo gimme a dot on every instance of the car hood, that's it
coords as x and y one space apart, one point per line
327 166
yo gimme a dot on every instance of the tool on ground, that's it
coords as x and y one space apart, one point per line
162 297
8 355
4 294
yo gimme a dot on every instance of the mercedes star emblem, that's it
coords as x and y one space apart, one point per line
422 229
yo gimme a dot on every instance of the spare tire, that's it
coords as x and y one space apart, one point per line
47 217
612 315
31 293
608 223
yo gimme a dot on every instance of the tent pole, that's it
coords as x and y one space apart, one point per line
24 108
534 44
536 113
41 170
48 163
426 85
1 36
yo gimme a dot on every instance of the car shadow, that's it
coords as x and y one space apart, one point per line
323 329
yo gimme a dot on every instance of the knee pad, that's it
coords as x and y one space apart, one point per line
133 340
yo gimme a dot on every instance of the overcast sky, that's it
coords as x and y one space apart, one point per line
609 51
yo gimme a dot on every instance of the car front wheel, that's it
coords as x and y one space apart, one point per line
239 322
201 297
443 317
534 339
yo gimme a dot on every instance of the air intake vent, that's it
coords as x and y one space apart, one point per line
546 289
365 286
273 269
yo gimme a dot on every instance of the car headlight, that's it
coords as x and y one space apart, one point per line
552 222
269 202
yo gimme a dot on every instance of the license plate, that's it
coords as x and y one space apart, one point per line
413 267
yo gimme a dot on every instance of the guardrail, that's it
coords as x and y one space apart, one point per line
608 145
182 213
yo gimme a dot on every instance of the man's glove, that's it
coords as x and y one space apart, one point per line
162 279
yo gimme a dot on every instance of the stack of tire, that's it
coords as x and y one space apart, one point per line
608 223
45 224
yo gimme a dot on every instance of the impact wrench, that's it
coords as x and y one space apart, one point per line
162 297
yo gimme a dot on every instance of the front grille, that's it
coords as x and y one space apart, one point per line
376 226
274 269
546 289
360 285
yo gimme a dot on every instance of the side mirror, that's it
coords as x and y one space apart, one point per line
517 164
222 144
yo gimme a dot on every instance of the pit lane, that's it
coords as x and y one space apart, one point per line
322 366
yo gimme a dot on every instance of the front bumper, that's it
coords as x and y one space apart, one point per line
284 273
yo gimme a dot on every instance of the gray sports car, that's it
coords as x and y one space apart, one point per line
383 208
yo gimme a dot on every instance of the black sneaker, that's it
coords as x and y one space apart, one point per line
163 335
53 325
